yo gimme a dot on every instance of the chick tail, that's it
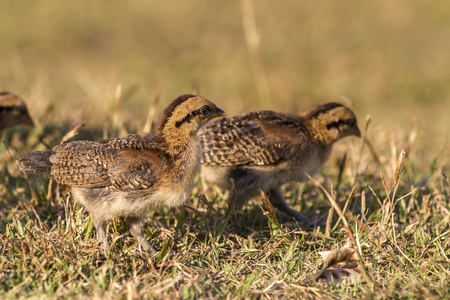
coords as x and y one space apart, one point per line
35 162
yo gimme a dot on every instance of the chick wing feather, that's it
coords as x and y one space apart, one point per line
112 163
134 172
253 139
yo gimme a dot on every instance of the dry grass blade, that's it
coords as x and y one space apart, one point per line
151 114
73 132
347 227
117 100
397 174
269 207
412 136
201 197
334 205
345 207
368 121
363 206
341 164
383 181
230 210
373 151
369 143
445 177
328 222
398 168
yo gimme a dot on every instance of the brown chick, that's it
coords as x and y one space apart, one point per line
264 150
127 177
13 111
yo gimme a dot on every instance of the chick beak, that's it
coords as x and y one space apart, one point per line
29 122
356 132
218 113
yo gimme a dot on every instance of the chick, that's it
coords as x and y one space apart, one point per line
13 111
263 150
128 177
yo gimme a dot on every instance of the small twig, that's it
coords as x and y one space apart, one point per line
73 132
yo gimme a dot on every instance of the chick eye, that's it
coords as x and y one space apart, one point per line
204 110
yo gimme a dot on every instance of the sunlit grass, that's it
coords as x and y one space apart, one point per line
50 248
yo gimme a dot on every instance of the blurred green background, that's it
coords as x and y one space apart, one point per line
390 59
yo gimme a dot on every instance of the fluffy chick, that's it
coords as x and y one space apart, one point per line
263 150
13 111
127 177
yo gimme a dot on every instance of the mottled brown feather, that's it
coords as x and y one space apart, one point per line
264 150
127 177
119 163
253 139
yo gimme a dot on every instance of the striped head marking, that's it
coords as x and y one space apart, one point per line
183 118
332 122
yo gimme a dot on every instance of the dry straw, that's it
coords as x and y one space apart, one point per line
349 231
151 114
400 160
269 207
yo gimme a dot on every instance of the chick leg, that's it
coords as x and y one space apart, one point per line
242 195
276 197
135 226
102 235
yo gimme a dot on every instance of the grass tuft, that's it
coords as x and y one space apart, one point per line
400 232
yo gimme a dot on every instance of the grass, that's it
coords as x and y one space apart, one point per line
400 214
73 62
